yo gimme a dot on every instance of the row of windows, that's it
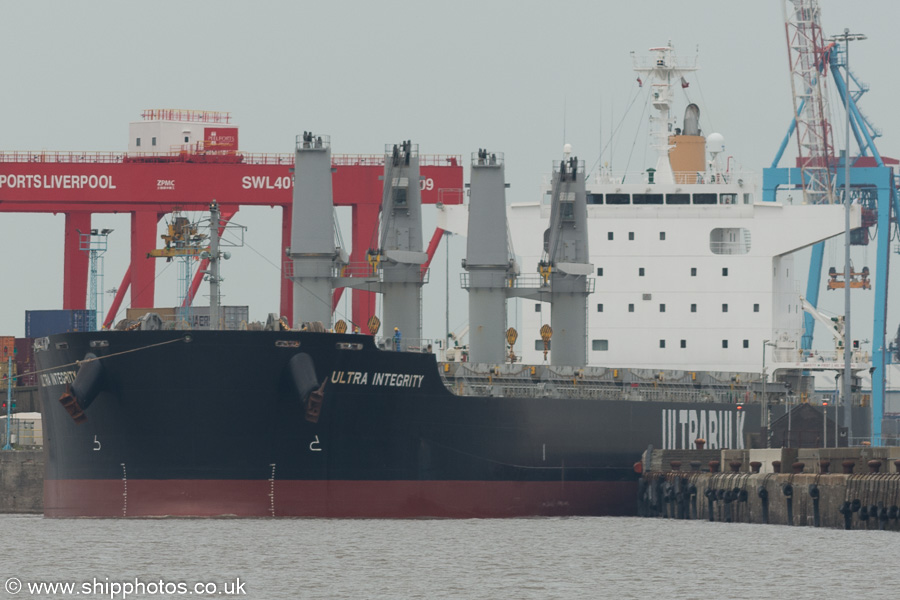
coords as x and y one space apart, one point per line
662 307
603 345
153 141
642 271
611 236
722 240
704 198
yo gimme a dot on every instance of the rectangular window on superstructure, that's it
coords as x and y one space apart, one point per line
153 141
728 198
725 343
647 199
724 271
640 271
138 142
539 345
678 198
537 307
662 308
724 308
609 236
705 199
662 236
186 139
693 308
746 343
662 343
630 236
684 343
618 199
756 308
595 198
599 271
693 271
600 345
599 308
631 308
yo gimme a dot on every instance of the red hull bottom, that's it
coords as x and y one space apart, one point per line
335 499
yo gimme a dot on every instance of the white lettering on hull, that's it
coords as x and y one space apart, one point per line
720 428
57 378
403 380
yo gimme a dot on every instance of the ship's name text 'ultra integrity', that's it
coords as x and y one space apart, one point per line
386 379
57 378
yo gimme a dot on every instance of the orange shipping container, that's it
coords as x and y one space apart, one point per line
7 344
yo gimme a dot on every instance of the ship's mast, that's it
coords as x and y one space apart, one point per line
215 255
490 265
566 263
314 256
214 300
662 71
400 256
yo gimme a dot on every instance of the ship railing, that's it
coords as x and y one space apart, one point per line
499 279
39 156
365 270
832 356
360 269
377 160
423 345
733 248
869 441
674 61
486 158
247 158
309 140
555 166
522 387
681 177
180 114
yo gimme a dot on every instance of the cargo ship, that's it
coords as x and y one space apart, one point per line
155 421
307 424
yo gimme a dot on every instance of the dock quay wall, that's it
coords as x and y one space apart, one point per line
22 481
844 488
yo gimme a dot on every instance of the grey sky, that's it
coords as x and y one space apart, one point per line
452 76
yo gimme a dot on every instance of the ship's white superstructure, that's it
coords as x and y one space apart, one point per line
685 286
692 270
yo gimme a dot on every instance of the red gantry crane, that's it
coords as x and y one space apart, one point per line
186 158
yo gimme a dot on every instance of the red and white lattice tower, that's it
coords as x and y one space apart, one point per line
807 54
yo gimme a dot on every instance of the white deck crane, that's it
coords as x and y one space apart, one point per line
834 325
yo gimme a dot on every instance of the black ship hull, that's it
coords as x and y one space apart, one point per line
224 424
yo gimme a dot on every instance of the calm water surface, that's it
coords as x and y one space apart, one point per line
517 558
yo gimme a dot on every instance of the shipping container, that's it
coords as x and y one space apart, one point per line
25 367
41 323
7 343
7 351
5 375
